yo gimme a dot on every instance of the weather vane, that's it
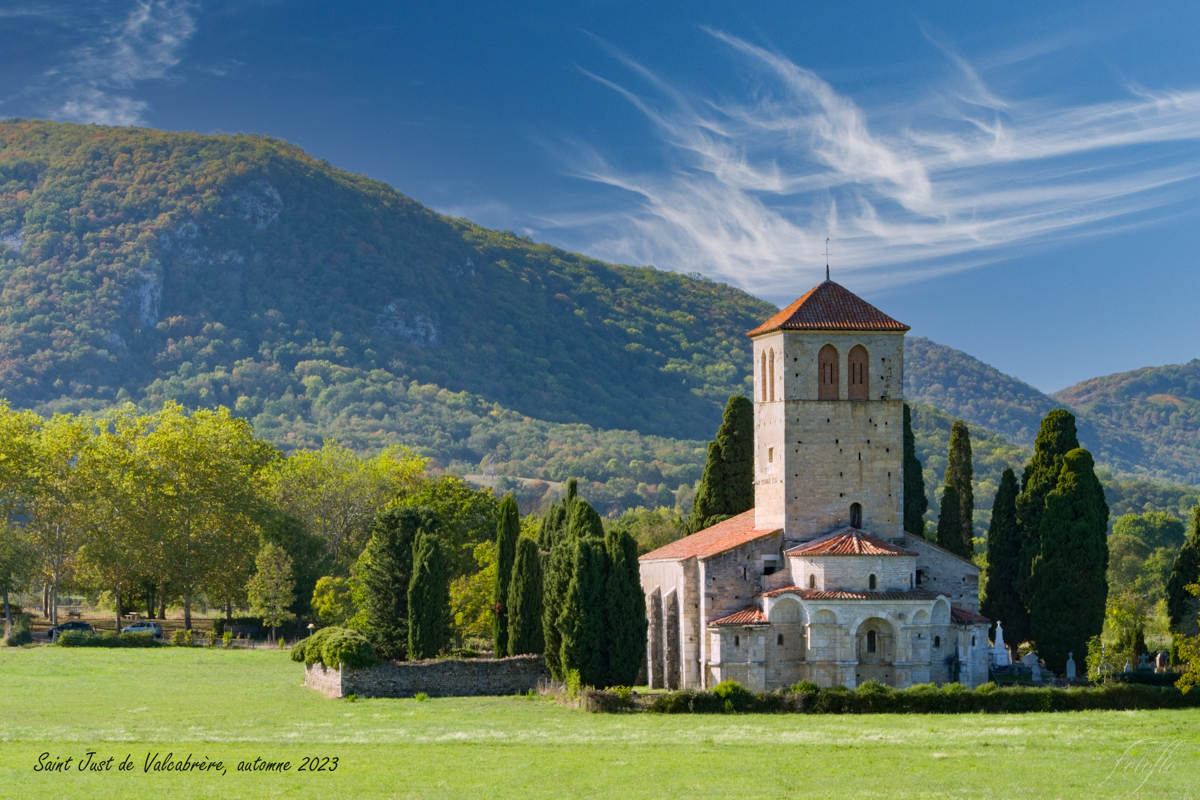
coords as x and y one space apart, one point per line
826 259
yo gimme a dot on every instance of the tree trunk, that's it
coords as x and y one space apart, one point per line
117 603
54 601
162 601
46 600
150 604
228 610
187 610
7 613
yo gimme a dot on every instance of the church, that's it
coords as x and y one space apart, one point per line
819 581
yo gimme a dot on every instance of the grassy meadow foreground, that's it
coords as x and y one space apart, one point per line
240 705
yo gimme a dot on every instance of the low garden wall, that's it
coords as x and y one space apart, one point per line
445 678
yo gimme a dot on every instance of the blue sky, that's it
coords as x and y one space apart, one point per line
1016 180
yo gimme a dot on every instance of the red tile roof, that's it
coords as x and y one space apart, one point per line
829 306
962 615
845 594
751 615
723 536
849 542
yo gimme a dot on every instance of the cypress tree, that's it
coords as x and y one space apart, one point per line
1056 438
582 621
1181 604
625 610
525 601
428 599
1068 586
385 570
556 579
956 517
508 528
1002 602
554 523
727 484
915 501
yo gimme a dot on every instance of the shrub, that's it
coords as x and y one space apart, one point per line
280 644
183 638
107 639
805 687
336 647
19 634
298 649
735 696
420 697
227 639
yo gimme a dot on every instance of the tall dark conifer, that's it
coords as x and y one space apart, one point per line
1068 585
1182 604
508 528
582 621
385 570
625 610
428 599
1056 438
915 501
956 516
1002 602
525 601
727 484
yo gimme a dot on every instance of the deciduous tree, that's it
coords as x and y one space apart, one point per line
272 590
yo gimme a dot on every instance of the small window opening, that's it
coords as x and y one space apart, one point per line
855 515
871 641
743 573
920 575
937 642
769 567
871 581
770 455
737 642
812 581
972 640
779 639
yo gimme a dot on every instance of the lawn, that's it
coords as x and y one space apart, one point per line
239 705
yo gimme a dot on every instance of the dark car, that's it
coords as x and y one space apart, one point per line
82 627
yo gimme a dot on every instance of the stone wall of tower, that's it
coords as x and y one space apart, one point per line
814 458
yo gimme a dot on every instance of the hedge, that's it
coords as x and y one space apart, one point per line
107 639
335 647
875 698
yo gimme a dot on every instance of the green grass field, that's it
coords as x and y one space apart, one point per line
240 705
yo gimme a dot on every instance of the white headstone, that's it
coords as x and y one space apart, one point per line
999 651
1070 666
1030 659
1128 666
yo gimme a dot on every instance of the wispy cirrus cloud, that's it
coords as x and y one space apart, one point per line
754 187
96 54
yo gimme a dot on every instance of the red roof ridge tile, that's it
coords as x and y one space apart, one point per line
849 542
723 536
851 594
829 306
963 615
750 615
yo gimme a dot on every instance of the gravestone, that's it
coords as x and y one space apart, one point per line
1031 660
1070 666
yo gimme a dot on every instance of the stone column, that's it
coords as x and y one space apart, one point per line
654 634
671 639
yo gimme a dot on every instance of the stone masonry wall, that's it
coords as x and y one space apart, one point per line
450 678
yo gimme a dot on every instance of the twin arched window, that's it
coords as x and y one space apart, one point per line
858 385
768 375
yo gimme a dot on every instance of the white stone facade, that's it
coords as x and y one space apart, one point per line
819 581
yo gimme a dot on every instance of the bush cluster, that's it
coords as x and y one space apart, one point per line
107 639
20 633
875 698
335 647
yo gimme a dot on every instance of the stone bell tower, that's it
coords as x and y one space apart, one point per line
828 417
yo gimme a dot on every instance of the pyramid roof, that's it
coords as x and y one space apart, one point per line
829 306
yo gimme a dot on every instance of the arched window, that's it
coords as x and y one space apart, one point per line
858 383
827 373
763 376
972 640
812 581
855 515
937 642
771 373
871 582
779 639
871 639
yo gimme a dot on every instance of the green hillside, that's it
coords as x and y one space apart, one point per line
1160 406
141 264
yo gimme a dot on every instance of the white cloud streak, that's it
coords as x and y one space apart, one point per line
142 43
755 187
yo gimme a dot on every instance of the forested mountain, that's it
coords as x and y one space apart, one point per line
1160 406
1144 423
143 266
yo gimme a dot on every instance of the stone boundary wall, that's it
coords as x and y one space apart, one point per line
466 677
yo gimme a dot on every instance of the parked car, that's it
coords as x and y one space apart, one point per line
145 626
84 627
